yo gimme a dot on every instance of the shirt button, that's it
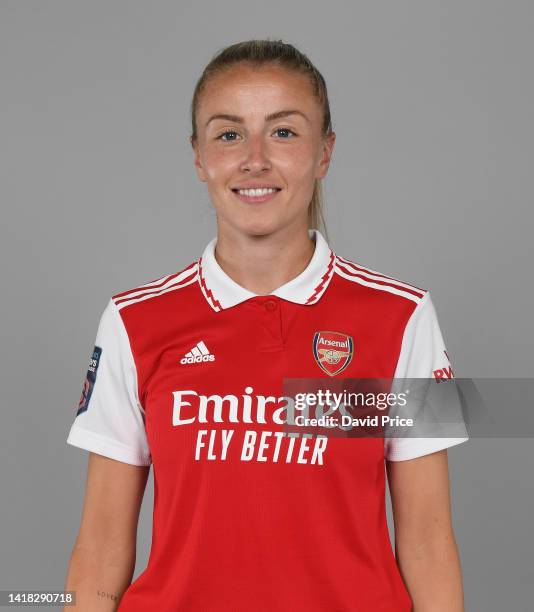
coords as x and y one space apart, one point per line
270 305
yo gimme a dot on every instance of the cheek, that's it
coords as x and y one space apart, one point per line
297 164
217 164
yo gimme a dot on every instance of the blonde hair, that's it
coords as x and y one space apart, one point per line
258 53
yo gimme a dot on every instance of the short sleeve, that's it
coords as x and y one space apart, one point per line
110 419
423 356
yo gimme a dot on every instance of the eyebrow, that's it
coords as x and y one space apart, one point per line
268 118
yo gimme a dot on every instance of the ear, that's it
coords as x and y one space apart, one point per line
324 162
197 161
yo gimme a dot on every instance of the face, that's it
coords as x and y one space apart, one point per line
247 139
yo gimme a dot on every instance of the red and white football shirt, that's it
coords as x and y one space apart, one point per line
187 374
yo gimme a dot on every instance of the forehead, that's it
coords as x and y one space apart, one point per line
247 88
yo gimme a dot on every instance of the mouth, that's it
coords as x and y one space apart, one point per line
260 194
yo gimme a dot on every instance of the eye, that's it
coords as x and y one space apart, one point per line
285 130
224 134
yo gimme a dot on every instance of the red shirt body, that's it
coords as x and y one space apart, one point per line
187 375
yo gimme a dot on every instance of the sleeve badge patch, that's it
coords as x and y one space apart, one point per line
89 381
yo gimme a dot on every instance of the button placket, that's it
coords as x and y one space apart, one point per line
270 305
271 319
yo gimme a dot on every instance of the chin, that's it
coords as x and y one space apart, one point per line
258 230
258 227
264 224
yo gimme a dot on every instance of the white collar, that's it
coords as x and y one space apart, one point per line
222 292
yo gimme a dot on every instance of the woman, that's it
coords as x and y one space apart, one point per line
187 374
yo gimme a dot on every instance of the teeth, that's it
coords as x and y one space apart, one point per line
256 192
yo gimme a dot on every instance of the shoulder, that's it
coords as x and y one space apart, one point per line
375 284
158 290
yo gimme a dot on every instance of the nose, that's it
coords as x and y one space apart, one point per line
256 156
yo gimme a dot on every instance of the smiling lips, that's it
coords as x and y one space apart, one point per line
258 194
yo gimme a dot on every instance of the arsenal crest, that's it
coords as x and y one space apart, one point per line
332 351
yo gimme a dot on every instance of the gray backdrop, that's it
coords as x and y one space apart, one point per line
431 182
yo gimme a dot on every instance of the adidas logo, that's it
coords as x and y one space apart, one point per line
198 354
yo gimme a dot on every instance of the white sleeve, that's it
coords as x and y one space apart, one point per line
110 419
423 356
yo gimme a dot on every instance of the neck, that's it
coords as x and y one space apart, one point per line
261 264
